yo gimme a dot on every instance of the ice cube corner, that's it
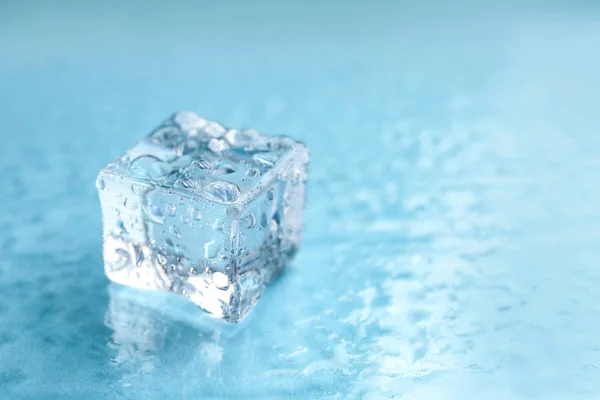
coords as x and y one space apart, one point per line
204 211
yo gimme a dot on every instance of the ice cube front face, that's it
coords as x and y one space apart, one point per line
204 211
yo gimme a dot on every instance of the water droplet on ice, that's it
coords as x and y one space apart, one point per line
266 160
233 212
196 214
137 189
168 136
252 172
153 214
171 209
211 249
131 204
202 164
100 184
149 167
222 191
184 183
250 221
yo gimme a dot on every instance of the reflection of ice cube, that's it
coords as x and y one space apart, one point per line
138 333
157 329
195 202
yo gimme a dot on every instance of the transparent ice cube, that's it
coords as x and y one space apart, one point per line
204 211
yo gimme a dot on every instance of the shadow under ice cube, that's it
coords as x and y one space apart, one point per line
204 211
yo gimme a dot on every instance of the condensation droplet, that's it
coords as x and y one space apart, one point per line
184 183
131 204
224 169
122 258
137 189
153 214
202 164
233 212
121 226
169 242
211 249
252 172
271 194
222 191
250 221
196 214
167 136
173 229
218 224
265 159
149 167
264 220
185 219
171 209
100 184
181 200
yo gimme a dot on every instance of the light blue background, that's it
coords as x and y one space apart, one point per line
452 231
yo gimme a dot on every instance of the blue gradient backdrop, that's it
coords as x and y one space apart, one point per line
452 230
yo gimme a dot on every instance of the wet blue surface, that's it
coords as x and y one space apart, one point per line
451 243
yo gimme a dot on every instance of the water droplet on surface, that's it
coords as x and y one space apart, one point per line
217 146
196 214
149 167
181 200
184 183
233 212
224 169
264 220
167 136
222 191
266 160
202 164
100 184
131 204
211 249
169 242
220 280
218 224
252 172
185 219
121 226
250 221
171 209
153 214
271 194
173 229
137 189
122 258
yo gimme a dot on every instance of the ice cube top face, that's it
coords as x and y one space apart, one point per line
204 211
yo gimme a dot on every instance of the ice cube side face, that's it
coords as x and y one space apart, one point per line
211 213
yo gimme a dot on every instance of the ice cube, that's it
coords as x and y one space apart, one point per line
204 211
